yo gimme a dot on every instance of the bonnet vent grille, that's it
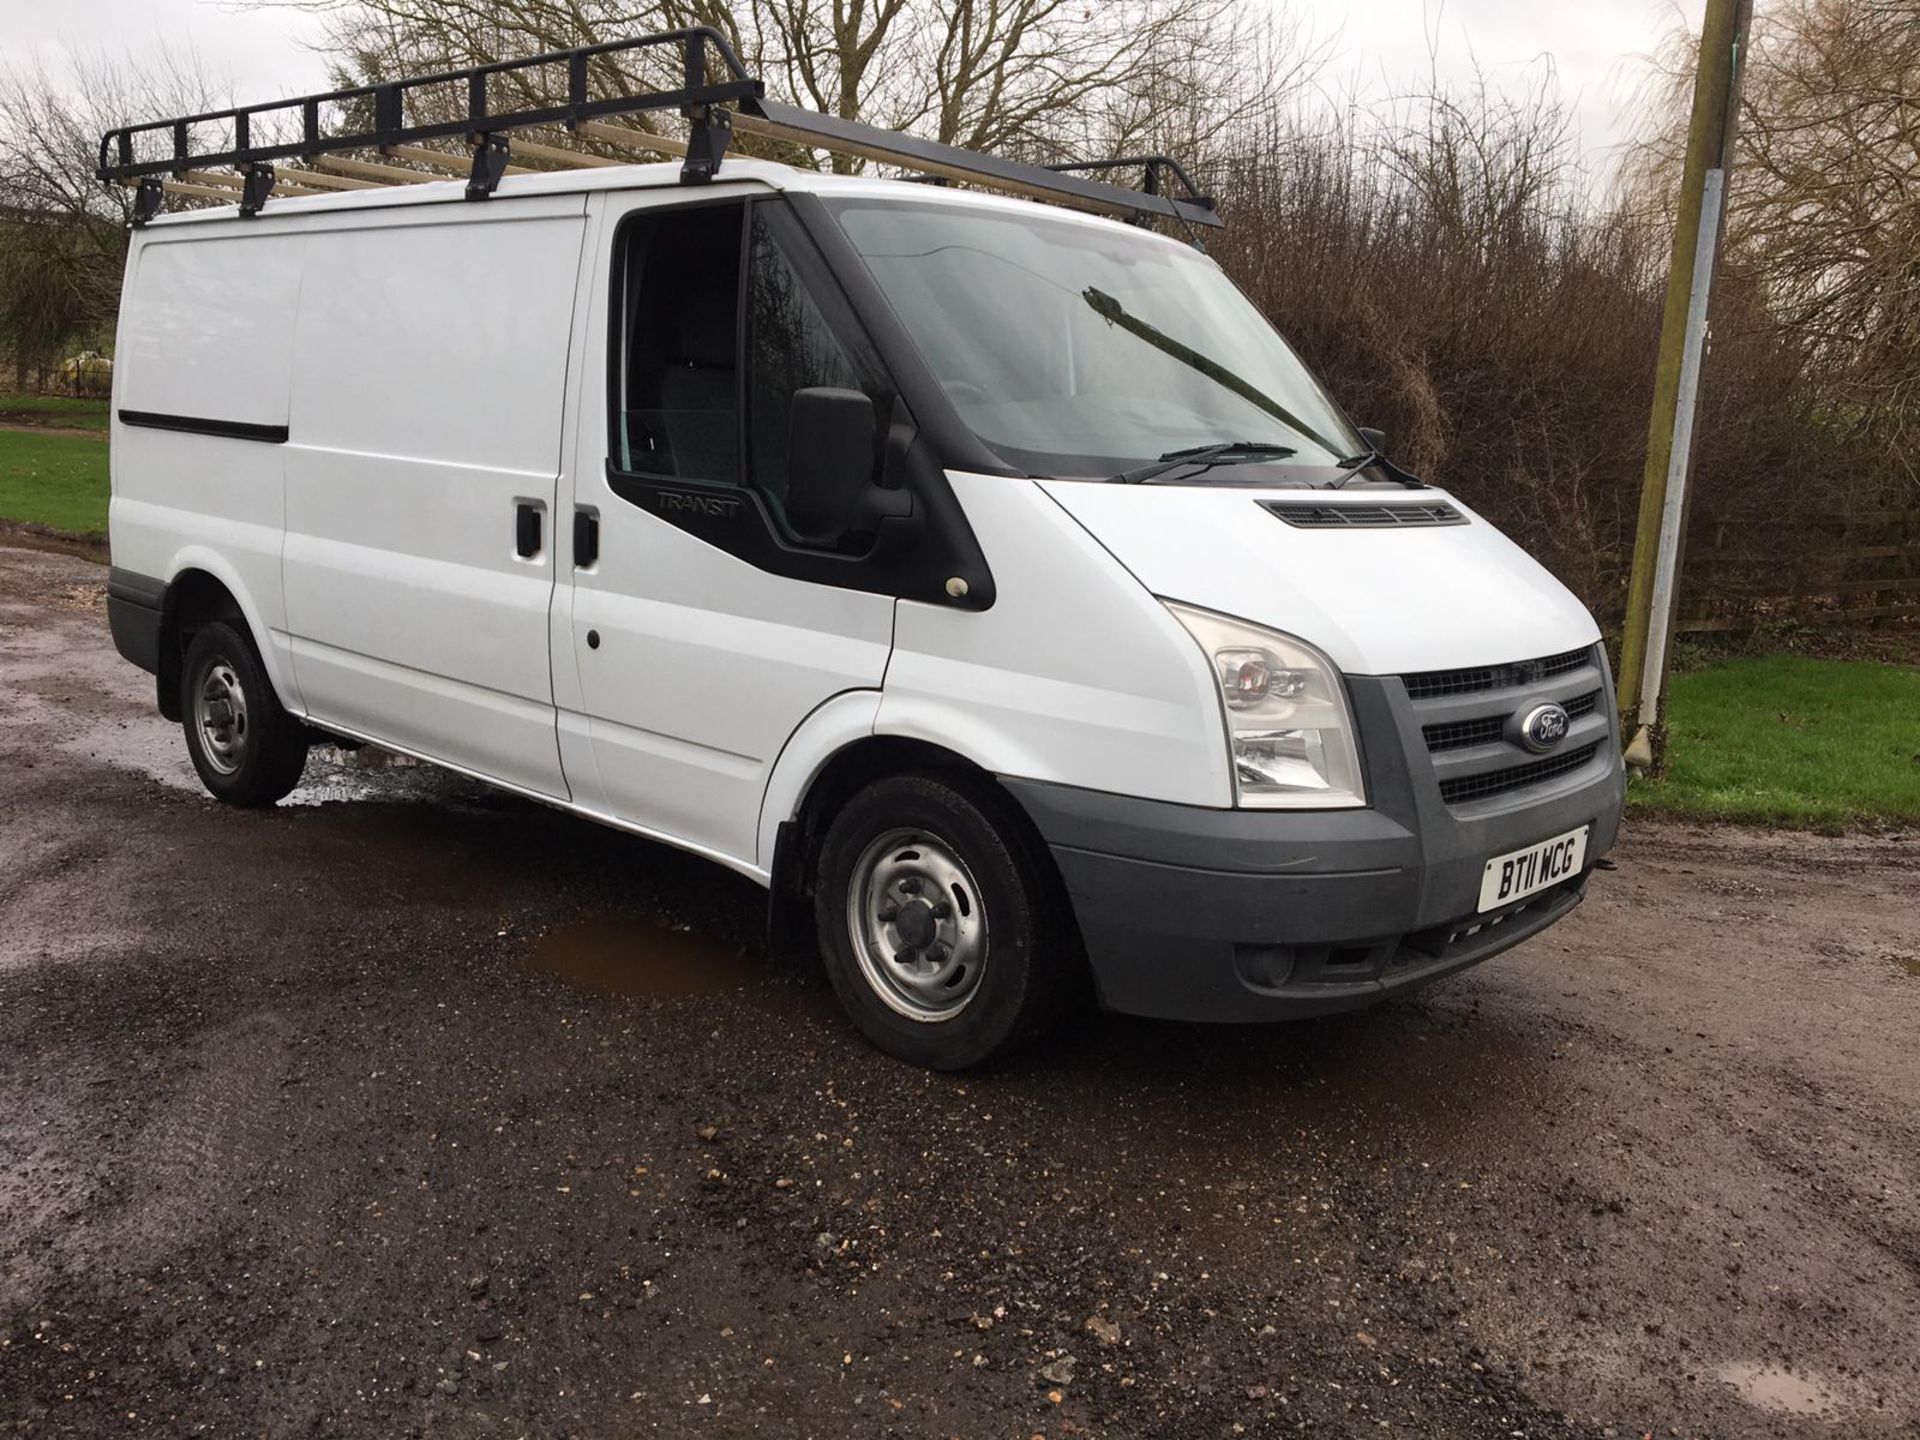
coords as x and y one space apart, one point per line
1309 516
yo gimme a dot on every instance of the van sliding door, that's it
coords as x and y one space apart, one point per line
429 387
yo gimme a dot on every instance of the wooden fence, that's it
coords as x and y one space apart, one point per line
1861 568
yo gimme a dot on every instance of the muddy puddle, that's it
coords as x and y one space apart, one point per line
1781 1392
651 958
337 776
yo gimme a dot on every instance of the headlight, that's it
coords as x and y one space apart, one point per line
1289 731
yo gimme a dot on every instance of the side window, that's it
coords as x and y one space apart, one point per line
678 385
694 289
790 347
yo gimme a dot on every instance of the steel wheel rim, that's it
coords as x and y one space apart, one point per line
918 926
220 714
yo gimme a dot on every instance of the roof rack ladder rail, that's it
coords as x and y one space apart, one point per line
709 127
701 99
118 161
389 110
1150 184
910 152
1152 167
576 79
257 179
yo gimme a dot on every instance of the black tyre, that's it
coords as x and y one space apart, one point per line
939 922
248 749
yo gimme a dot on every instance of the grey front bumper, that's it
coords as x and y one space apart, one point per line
1199 914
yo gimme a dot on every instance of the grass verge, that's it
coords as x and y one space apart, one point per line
1794 741
59 481
57 412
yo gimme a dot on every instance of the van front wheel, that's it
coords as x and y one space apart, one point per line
934 920
248 749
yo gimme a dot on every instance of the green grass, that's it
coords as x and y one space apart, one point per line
61 412
55 480
1793 741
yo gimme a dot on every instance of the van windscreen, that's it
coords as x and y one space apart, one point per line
1077 349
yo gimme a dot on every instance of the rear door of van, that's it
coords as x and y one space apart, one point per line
204 352
429 381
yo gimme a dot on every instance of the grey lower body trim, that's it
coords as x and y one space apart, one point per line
136 608
1198 914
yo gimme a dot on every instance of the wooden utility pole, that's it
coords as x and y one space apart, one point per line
1676 386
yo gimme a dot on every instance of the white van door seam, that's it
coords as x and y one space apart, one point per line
569 424
280 608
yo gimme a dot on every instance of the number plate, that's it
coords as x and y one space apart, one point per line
1521 873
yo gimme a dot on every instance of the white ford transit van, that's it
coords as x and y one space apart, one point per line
989 578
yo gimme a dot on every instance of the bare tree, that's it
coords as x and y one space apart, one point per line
1824 205
1042 77
1442 264
1828 209
66 233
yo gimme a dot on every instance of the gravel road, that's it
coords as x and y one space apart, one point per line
408 1108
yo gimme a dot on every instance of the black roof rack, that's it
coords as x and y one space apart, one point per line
378 118
1053 183
1153 168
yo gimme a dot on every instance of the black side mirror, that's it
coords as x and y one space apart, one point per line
1374 440
830 460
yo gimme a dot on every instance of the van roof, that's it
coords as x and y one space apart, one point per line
737 173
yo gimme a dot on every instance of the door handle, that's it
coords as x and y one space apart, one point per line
586 538
526 530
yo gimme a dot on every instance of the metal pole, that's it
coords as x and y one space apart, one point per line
1657 542
1673 511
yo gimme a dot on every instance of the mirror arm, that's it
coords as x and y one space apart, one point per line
890 496
878 505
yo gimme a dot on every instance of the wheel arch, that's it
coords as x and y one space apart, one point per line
798 834
200 591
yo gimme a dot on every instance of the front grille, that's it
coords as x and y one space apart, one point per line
1459 734
1308 516
1430 684
1515 777
1469 718
1462 734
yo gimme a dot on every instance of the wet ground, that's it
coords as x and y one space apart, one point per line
410 1109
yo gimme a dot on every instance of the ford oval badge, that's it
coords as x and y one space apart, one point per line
1544 727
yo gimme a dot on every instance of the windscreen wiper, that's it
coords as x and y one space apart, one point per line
1204 457
1354 464
1114 313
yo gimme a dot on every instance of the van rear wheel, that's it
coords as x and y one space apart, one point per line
248 749
935 921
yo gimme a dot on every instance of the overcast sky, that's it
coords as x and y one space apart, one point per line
1380 45
1595 48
